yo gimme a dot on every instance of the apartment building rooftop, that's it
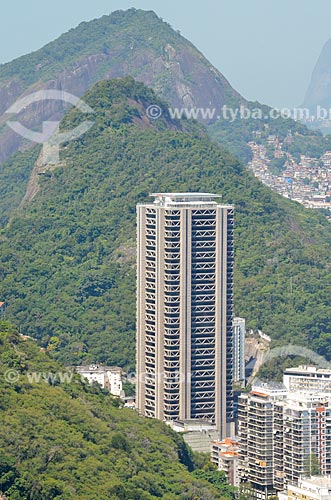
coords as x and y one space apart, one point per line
268 389
307 399
97 368
319 481
182 199
186 196
306 369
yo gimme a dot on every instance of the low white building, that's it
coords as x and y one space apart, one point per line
108 377
314 488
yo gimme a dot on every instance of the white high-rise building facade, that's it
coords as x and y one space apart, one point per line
239 332
185 309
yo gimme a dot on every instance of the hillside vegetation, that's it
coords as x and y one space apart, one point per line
67 264
68 441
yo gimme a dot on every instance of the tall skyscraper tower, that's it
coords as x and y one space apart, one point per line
185 308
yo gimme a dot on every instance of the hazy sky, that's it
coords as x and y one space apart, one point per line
266 48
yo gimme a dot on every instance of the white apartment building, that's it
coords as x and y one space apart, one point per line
307 378
302 430
108 377
283 436
256 439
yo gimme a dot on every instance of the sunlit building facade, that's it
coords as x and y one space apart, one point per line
185 308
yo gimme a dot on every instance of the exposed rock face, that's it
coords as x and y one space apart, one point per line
134 43
8 94
319 90
255 349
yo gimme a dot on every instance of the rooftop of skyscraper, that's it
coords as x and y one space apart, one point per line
183 198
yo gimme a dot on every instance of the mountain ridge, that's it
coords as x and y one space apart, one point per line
133 42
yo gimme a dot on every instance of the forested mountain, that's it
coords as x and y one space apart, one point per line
135 43
68 441
67 265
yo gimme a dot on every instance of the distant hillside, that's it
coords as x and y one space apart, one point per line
319 90
133 42
67 257
234 135
68 441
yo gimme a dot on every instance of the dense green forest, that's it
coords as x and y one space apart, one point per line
69 441
67 264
